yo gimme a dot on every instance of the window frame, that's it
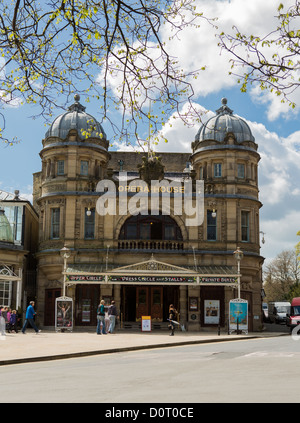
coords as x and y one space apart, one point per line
239 166
245 226
54 223
89 224
211 226
58 167
217 170
84 171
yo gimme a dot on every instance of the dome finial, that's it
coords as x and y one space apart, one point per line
77 97
224 109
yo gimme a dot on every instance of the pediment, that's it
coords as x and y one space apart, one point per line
152 266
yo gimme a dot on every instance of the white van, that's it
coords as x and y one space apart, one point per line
278 311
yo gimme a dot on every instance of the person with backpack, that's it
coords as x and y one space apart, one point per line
101 318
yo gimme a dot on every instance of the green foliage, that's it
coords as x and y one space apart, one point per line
271 60
111 51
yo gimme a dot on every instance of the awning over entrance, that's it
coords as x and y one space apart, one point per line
7 274
151 272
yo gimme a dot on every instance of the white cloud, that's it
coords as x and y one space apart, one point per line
279 176
199 47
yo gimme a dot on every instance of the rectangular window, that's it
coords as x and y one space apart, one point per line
145 231
84 167
89 224
245 225
241 171
14 216
5 293
211 226
60 167
217 170
55 223
131 231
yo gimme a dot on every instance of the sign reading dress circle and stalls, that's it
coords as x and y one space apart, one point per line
238 315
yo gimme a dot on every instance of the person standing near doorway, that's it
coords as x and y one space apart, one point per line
30 313
101 318
172 318
113 314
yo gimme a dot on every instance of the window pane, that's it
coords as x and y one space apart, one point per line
217 170
241 171
89 224
245 225
170 232
145 231
55 222
131 231
211 226
84 167
60 167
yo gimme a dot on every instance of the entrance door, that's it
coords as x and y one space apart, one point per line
156 303
87 301
50 297
149 302
142 302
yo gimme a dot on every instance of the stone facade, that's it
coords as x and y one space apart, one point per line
18 245
102 247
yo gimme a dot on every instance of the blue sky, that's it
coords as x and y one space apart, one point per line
275 126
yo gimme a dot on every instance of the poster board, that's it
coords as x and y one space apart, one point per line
146 324
211 312
238 313
64 314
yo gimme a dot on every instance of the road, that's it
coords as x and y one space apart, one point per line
259 370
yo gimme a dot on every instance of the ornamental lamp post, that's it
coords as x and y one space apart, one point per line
238 254
65 253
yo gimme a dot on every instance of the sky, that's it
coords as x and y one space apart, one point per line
273 124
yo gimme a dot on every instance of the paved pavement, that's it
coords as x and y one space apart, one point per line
51 345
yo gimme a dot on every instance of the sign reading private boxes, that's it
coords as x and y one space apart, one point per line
238 315
146 323
63 313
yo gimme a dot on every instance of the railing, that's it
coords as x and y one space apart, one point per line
150 245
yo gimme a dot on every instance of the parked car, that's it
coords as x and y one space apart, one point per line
293 318
265 312
278 311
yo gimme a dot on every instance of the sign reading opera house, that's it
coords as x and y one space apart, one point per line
157 255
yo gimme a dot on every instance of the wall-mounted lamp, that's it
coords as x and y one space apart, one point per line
88 212
263 236
214 214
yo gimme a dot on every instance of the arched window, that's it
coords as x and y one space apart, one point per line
151 227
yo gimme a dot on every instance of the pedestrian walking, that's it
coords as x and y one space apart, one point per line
113 314
30 313
101 318
172 318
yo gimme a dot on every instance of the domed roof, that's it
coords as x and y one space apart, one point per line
218 127
76 118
